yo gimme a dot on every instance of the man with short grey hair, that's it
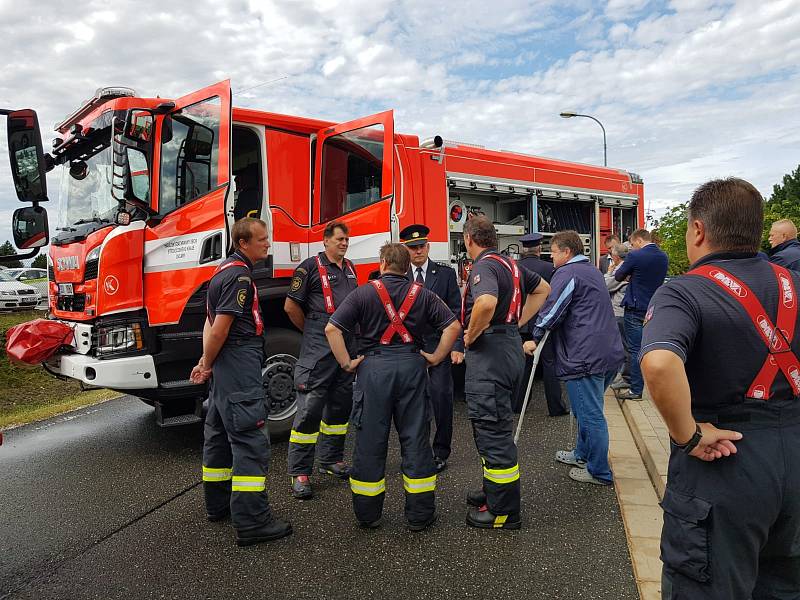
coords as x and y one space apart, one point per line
785 247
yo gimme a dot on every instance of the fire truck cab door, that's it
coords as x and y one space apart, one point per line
189 236
354 183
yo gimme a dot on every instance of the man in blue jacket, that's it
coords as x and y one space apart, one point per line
588 351
646 268
785 247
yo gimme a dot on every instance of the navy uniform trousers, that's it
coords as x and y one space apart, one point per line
392 386
732 526
440 388
236 451
552 385
495 363
324 401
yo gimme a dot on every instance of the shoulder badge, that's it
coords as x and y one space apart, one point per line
296 283
240 297
244 278
648 315
300 271
477 279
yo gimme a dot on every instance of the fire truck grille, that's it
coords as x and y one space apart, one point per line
74 303
91 270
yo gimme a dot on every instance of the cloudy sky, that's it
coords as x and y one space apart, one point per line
687 89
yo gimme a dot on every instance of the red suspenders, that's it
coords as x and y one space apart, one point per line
396 318
255 308
777 339
515 307
327 292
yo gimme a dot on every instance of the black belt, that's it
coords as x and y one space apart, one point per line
752 414
255 342
393 349
505 329
317 316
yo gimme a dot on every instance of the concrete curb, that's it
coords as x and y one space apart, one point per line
651 437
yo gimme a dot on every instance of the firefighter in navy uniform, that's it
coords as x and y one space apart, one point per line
394 316
236 451
491 314
720 359
441 280
324 391
532 244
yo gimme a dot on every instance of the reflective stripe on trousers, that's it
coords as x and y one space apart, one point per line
303 438
212 474
501 476
326 429
368 488
248 483
420 485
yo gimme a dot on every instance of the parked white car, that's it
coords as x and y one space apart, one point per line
24 274
15 295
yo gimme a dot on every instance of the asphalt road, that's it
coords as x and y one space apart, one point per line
102 503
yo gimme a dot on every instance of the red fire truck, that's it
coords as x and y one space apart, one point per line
149 189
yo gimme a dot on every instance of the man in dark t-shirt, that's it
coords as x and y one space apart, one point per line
500 298
394 315
720 358
236 451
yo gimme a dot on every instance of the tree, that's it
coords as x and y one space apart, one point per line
40 262
671 232
783 204
7 249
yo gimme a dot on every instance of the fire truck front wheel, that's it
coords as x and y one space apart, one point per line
282 347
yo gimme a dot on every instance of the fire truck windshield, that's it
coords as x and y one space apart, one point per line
85 180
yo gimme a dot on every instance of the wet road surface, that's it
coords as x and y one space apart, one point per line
102 503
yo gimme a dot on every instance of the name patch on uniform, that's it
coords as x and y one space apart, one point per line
244 278
300 271
240 297
296 283
477 279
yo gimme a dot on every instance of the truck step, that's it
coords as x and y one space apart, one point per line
173 416
176 384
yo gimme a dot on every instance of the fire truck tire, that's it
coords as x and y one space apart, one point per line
282 347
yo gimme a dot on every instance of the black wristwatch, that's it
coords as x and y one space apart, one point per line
693 441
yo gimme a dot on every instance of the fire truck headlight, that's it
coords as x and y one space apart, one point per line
93 255
119 338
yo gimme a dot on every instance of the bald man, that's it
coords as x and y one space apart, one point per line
785 247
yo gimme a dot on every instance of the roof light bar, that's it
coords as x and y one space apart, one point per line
102 95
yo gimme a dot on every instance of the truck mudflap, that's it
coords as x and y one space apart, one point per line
126 373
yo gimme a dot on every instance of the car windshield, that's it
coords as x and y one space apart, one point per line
85 184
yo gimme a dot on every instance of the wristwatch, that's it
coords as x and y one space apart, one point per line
693 441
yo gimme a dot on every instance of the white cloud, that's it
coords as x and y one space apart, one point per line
701 89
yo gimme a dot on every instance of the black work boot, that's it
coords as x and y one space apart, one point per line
339 469
273 530
301 487
484 519
220 516
422 524
476 498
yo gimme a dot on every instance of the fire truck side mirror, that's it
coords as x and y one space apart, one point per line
29 226
28 166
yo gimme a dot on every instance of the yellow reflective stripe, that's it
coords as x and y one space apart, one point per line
212 474
419 485
502 475
249 483
332 429
499 520
303 438
367 488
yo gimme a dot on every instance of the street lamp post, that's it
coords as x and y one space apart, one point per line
569 115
